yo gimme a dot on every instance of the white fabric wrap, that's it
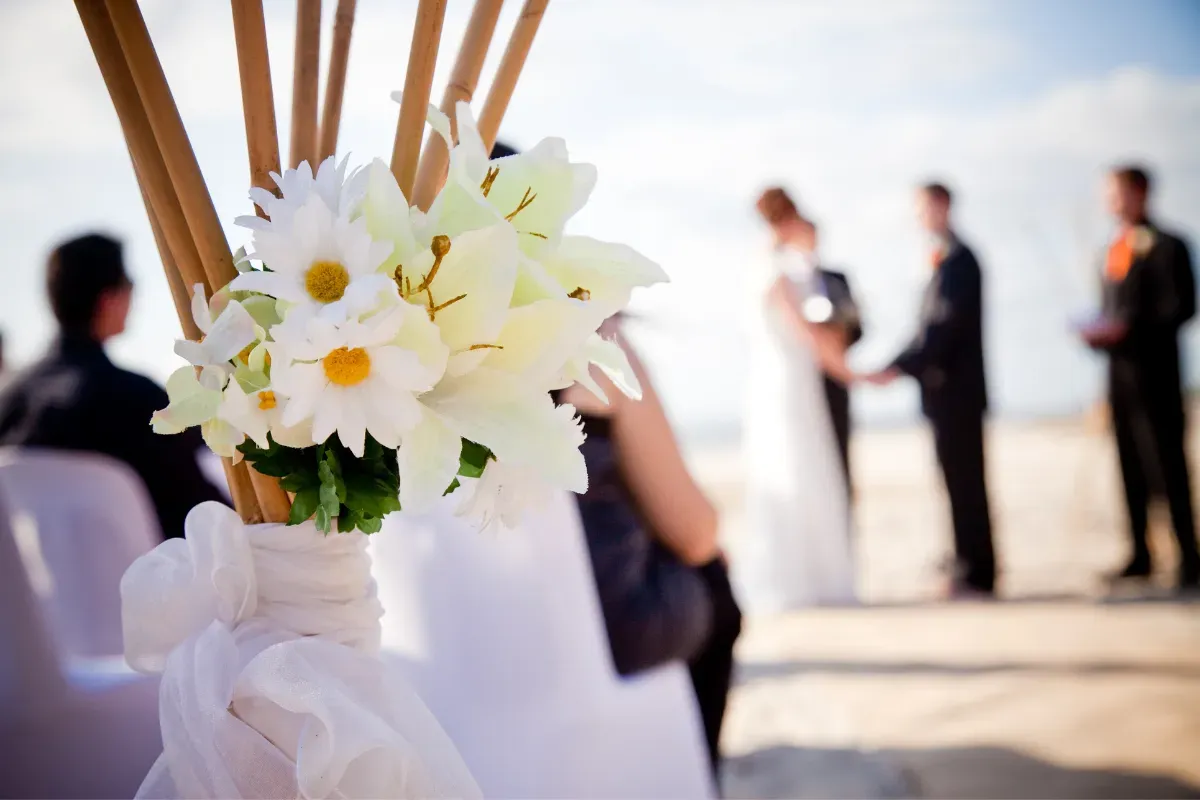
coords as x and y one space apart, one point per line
267 639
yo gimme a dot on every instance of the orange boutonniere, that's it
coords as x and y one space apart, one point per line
936 256
1132 244
1120 258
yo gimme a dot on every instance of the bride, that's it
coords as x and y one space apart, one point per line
796 550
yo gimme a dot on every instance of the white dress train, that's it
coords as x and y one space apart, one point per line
502 635
796 548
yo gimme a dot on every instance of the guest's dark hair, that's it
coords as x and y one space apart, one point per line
502 150
938 191
775 205
1133 176
79 272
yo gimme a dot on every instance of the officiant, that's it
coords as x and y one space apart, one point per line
1149 293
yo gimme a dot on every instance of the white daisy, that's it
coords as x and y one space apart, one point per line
319 259
340 194
350 378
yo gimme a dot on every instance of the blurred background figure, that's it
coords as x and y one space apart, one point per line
830 305
796 550
74 398
652 538
1149 293
946 358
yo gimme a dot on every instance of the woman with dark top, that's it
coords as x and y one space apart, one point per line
652 537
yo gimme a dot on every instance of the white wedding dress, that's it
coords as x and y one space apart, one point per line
795 551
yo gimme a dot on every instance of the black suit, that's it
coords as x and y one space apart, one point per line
1155 298
946 358
835 286
76 399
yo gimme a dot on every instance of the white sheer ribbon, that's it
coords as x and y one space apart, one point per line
267 638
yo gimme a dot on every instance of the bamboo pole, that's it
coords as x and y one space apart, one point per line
509 71
335 81
173 142
306 71
168 223
180 294
464 78
418 82
258 100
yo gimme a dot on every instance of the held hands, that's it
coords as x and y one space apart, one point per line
1103 334
880 377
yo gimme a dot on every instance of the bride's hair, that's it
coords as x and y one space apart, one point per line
776 205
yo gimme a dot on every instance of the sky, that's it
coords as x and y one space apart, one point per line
689 108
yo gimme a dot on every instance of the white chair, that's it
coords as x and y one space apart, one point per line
502 635
74 730
80 520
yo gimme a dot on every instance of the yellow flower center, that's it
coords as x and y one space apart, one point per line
266 400
326 281
346 367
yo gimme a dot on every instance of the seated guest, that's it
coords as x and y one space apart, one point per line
74 398
652 537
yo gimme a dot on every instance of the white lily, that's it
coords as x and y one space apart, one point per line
610 358
502 495
226 336
536 191
197 400
519 423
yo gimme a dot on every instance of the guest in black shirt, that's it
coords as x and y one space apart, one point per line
74 398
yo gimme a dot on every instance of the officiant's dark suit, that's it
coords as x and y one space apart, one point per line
946 358
845 315
1149 292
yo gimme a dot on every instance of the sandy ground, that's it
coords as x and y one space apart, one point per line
1062 689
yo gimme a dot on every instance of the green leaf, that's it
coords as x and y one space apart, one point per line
330 462
304 505
329 502
454 484
369 525
472 459
299 481
322 519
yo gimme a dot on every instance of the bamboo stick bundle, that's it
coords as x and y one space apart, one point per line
306 83
180 255
461 87
335 81
187 231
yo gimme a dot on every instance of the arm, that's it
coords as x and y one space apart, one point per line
959 294
1167 296
675 508
829 342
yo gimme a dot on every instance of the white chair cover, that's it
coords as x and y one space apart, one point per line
87 730
502 635
81 520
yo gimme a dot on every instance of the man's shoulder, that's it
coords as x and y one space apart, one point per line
133 386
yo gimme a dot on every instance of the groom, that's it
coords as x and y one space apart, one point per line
1149 293
946 358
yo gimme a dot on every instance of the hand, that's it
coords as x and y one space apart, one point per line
1104 334
883 377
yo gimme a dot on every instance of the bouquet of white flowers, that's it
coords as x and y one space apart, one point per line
374 357
369 355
